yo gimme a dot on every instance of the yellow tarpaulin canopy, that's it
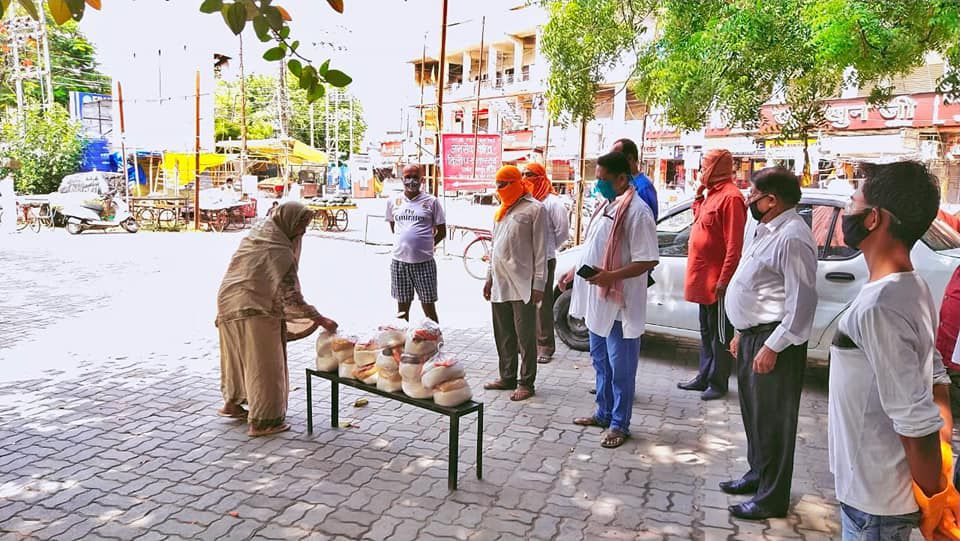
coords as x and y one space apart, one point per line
182 165
289 150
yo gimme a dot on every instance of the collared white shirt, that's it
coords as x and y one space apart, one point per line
881 390
776 281
639 244
558 230
518 261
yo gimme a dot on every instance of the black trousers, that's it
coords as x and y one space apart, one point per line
715 358
515 330
769 405
546 339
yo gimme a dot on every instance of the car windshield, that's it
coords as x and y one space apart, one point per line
941 237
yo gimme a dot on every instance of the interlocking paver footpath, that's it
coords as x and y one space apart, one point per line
131 448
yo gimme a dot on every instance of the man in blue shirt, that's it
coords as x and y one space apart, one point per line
640 181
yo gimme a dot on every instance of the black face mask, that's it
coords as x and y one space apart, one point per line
854 232
755 211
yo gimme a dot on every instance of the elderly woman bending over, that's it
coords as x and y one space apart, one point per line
259 309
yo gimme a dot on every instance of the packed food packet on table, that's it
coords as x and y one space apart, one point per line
343 348
390 338
365 359
422 343
447 379
326 361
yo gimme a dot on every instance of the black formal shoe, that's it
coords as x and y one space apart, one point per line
740 486
712 393
592 391
753 511
693 385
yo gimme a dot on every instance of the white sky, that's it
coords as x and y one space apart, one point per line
380 36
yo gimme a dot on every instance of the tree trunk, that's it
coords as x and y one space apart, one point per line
806 178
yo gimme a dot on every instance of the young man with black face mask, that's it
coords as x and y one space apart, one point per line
418 223
771 302
889 445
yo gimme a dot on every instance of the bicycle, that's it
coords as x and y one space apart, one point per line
476 256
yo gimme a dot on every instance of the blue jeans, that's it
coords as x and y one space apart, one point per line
615 360
859 526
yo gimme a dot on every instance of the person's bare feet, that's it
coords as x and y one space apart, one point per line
233 411
267 431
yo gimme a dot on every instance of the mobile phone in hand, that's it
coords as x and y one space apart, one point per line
586 272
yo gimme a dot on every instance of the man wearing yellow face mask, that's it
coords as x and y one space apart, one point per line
515 281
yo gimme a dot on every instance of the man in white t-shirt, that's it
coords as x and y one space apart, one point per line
889 445
418 223
610 293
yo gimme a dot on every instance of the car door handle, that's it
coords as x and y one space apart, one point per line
841 277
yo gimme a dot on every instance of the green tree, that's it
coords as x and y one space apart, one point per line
582 40
263 115
74 65
269 22
48 148
735 56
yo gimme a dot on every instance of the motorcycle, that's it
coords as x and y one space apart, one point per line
103 213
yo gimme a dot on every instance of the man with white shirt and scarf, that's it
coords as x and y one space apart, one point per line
610 293
771 302
515 281
889 444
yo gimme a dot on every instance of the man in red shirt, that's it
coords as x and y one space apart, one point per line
950 323
716 241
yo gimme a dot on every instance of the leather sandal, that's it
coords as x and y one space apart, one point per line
590 421
613 439
522 393
499 385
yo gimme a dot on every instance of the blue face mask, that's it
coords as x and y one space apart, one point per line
605 189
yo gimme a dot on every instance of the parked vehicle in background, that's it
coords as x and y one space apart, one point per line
841 272
105 212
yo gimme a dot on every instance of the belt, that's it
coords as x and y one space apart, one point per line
843 341
763 327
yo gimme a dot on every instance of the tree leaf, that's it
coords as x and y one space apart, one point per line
316 92
94 4
210 6
337 5
235 16
284 32
295 67
76 8
324 68
274 54
261 28
274 18
308 77
30 8
253 11
59 10
337 78
295 45
284 14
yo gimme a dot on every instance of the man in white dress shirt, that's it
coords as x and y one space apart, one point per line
620 249
771 302
557 231
889 392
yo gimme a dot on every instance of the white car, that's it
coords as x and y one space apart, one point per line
841 272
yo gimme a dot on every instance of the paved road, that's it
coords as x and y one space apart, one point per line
110 384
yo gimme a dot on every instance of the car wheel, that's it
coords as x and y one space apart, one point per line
572 331
74 228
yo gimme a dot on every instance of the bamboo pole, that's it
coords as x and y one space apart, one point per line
196 159
243 116
423 62
476 109
581 184
123 145
438 159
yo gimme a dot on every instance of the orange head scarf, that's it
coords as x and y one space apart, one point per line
516 188
541 184
717 167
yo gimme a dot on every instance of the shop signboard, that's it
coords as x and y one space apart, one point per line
470 164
